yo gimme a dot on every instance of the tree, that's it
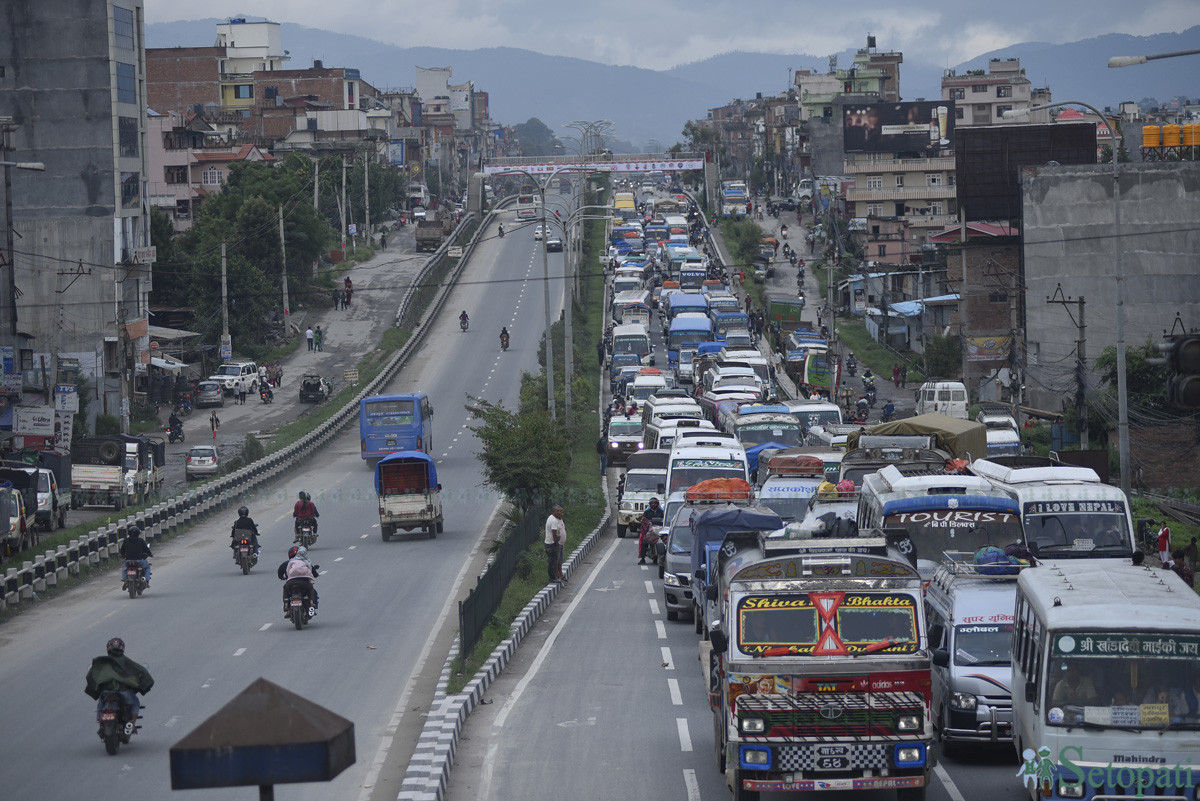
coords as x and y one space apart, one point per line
535 137
525 455
943 356
1145 383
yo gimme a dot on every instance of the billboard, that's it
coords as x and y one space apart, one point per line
921 127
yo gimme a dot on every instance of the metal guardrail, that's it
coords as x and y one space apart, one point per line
165 518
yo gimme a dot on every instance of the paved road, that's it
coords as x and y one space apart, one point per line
206 631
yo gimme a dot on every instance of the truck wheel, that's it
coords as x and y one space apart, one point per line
439 526
62 518
385 532
621 531
696 622
110 452
431 530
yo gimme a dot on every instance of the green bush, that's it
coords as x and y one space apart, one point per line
107 425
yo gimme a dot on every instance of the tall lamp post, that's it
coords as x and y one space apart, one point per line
8 295
1129 61
1119 274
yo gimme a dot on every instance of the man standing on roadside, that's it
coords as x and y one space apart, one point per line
1164 544
600 351
556 539
309 336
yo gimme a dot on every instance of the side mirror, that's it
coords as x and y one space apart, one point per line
710 592
719 640
941 658
662 489
699 575
1030 692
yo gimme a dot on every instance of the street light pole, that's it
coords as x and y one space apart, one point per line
1119 274
8 280
1129 61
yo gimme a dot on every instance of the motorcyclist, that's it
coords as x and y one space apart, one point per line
501 230
463 319
265 392
244 523
652 518
851 362
117 672
863 407
136 549
503 336
298 567
304 510
889 411
174 423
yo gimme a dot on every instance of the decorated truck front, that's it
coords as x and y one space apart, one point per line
819 668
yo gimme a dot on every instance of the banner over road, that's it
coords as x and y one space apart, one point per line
645 162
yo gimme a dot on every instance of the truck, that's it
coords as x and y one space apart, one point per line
733 199
819 666
431 231
116 471
46 499
409 494
18 493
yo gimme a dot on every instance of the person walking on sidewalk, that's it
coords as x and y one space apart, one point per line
318 338
555 540
215 422
337 298
308 334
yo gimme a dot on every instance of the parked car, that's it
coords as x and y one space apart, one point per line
554 243
210 393
313 388
202 461
229 372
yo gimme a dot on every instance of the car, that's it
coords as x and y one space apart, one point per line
537 234
419 213
229 372
554 244
313 388
210 393
202 461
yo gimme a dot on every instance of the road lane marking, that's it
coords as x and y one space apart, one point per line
668 663
171 721
649 584
676 696
264 627
352 547
948 783
340 558
685 737
654 607
239 652
693 787
659 627
364 536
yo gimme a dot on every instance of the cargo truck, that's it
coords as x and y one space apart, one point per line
117 471
409 494
431 232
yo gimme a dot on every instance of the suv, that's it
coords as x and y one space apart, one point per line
641 484
229 372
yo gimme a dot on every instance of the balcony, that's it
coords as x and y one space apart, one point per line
877 165
864 195
927 221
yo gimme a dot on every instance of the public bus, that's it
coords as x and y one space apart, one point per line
941 512
691 465
391 423
685 330
526 207
1066 512
1105 682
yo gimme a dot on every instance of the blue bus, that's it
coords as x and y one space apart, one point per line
391 423
726 321
686 331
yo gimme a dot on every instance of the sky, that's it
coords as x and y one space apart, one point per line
659 34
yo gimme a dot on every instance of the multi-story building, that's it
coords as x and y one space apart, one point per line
872 74
981 98
82 253
918 193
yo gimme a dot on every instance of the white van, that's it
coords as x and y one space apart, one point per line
943 397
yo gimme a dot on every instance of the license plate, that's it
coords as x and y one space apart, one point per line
389 442
832 750
833 763
108 716
295 602
130 574
244 549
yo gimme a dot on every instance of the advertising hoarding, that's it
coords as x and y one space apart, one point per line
919 127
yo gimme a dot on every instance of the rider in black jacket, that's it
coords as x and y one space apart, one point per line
136 549
244 523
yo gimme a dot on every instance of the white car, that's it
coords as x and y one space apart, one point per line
537 234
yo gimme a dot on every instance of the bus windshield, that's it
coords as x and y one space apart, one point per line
695 336
1077 528
961 529
686 472
750 434
982 644
632 343
862 623
1123 680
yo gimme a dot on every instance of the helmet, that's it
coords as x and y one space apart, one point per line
243 511
115 647
307 496
292 552
654 501
133 531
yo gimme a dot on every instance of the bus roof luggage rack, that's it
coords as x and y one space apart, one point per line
962 563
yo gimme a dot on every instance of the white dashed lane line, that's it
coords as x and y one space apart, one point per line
239 652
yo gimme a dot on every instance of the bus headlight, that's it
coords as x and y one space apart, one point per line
909 723
909 756
753 726
965 701
1070 790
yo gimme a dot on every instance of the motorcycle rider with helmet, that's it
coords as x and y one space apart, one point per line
504 337
298 566
118 673
464 320
175 424
244 523
501 230
304 510
136 549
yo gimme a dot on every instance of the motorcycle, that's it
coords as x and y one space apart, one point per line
503 343
860 414
464 323
175 434
184 405
502 232
245 556
133 578
308 532
298 592
870 395
115 726
266 395
783 232
851 367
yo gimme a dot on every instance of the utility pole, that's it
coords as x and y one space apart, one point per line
224 296
549 317
342 209
367 195
283 259
1081 406
316 180
964 303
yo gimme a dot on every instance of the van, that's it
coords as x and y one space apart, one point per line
970 625
830 435
633 339
943 397
661 433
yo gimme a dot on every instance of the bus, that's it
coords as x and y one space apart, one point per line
941 512
391 423
1066 512
685 330
691 465
526 207
1105 682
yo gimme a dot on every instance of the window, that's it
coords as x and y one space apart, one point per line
978 88
874 182
936 208
176 175
874 209
213 177
1003 91
982 108
1000 111
933 179
899 180
123 27
882 251
126 83
997 297
957 94
958 112
127 128
183 209
243 91
131 190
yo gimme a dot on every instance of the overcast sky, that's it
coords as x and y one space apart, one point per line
657 34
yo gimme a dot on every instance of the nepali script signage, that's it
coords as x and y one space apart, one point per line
599 166
1109 644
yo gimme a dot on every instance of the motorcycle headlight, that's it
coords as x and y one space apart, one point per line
671 580
964 701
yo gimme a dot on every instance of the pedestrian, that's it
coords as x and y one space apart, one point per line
600 350
904 376
349 290
1179 565
337 297
602 450
555 540
318 337
383 241
308 334
1164 543
1189 555
215 422
896 375
241 391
